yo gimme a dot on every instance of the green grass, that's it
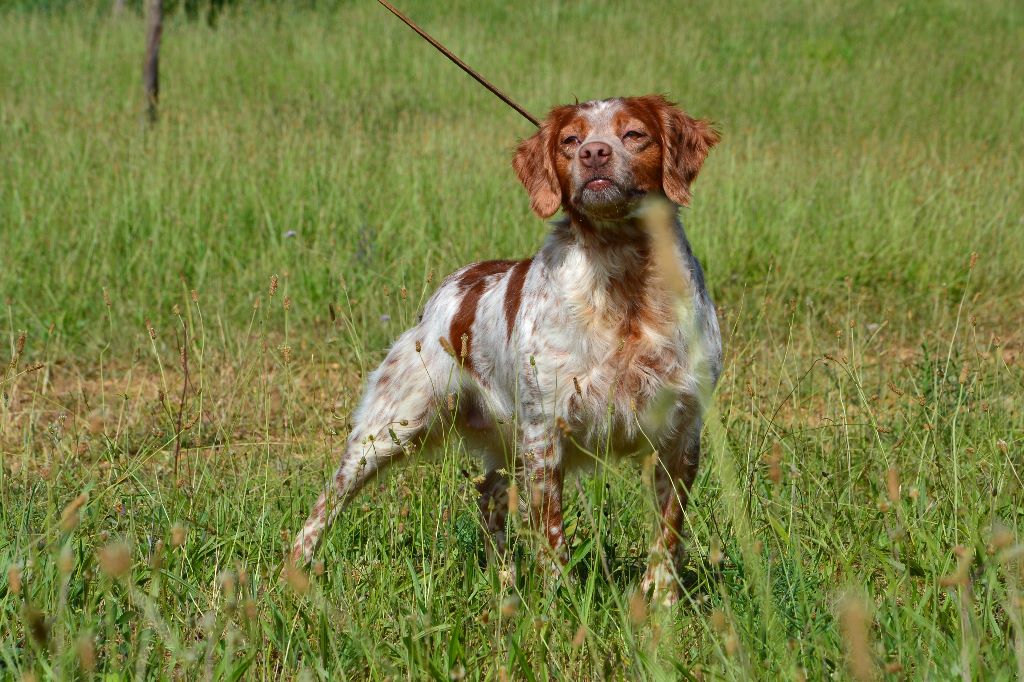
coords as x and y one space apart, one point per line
868 151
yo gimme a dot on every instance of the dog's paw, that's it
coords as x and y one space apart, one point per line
661 584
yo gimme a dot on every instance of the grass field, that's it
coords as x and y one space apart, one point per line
859 508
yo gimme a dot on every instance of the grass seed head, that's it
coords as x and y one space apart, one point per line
115 559
71 516
177 535
854 623
718 620
273 285
892 484
715 554
580 637
86 653
66 560
510 606
637 608
774 463
14 579
156 561
37 626
296 578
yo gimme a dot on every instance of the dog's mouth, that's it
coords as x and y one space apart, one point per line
598 184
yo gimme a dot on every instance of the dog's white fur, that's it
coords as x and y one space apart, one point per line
578 339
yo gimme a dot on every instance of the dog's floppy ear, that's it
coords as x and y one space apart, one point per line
686 142
536 171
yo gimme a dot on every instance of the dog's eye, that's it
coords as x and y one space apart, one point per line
633 135
572 139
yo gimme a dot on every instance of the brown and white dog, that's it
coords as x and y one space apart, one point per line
577 340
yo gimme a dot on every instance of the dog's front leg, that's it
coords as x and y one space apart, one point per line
542 459
675 471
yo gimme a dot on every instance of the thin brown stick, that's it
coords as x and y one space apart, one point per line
461 64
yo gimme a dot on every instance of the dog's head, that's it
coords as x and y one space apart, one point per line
600 158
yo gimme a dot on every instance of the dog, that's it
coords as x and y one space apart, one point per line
578 340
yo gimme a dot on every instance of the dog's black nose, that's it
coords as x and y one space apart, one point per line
595 154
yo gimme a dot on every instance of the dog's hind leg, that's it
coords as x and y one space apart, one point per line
396 409
493 502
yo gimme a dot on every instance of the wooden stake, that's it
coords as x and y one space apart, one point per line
151 67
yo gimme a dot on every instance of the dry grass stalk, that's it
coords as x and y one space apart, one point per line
855 623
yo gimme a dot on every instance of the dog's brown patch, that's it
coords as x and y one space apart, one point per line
473 281
514 292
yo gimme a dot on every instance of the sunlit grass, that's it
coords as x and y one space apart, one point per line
859 505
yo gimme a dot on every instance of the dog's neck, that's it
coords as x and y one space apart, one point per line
612 273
